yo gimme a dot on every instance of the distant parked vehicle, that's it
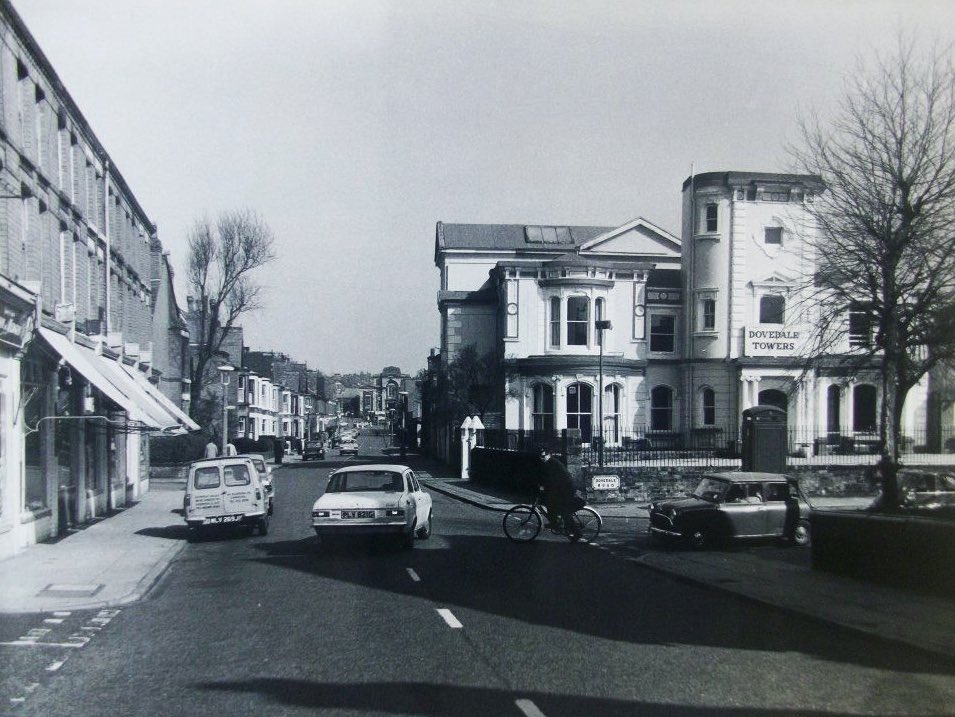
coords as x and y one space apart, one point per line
314 450
734 505
265 473
924 491
347 447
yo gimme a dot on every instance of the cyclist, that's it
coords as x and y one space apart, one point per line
559 496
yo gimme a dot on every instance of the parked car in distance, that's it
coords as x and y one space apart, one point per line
924 491
265 474
314 450
733 505
347 446
225 491
379 499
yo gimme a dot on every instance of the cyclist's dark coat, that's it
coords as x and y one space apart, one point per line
558 486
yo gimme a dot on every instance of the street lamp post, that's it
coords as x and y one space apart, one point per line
224 372
601 326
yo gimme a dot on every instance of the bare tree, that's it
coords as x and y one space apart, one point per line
887 220
221 260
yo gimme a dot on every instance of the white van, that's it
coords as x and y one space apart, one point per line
225 491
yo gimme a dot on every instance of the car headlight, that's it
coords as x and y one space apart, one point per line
321 514
395 512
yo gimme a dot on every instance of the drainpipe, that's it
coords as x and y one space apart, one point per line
109 258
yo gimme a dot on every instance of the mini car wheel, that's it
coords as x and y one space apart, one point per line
800 534
425 531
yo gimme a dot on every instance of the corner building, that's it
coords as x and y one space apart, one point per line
704 325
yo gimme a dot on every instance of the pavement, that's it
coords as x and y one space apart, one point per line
116 560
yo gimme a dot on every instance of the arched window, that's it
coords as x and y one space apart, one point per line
611 408
555 322
708 405
772 309
580 409
578 320
833 407
661 409
542 410
392 391
773 397
864 401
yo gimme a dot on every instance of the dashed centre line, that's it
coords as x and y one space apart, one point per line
449 618
414 575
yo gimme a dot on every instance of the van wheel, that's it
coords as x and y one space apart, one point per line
264 525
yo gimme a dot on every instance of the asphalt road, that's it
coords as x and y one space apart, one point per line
467 623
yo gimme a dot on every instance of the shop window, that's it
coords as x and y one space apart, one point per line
580 409
772 309
543 408
662 333
661 409
578 320
864 408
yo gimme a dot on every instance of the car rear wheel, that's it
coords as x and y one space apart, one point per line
800 534
425 531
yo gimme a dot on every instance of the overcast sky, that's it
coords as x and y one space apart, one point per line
353 127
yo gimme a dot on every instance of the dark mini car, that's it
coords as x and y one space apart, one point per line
733 505
313 451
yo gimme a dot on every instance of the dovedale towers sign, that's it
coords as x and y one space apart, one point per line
774 342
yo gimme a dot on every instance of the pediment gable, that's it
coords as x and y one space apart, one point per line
638 238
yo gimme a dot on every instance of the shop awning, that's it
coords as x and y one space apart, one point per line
112 369
87 363
171 408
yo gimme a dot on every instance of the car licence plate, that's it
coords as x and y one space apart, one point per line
217 519
358 514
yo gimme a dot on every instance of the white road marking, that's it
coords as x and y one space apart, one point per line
413 574
449 618
34 643
528 708
62 614
54 666
53 620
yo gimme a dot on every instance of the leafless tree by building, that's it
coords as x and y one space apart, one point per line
222 258
886 253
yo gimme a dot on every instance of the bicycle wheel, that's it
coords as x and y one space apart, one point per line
588 524
522 523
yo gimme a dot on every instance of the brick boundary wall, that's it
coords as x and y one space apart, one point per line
646 484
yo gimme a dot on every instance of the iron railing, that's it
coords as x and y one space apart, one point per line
722 447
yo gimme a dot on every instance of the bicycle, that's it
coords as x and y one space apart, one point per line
523 523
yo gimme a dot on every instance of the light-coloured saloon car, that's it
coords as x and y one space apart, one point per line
377 499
